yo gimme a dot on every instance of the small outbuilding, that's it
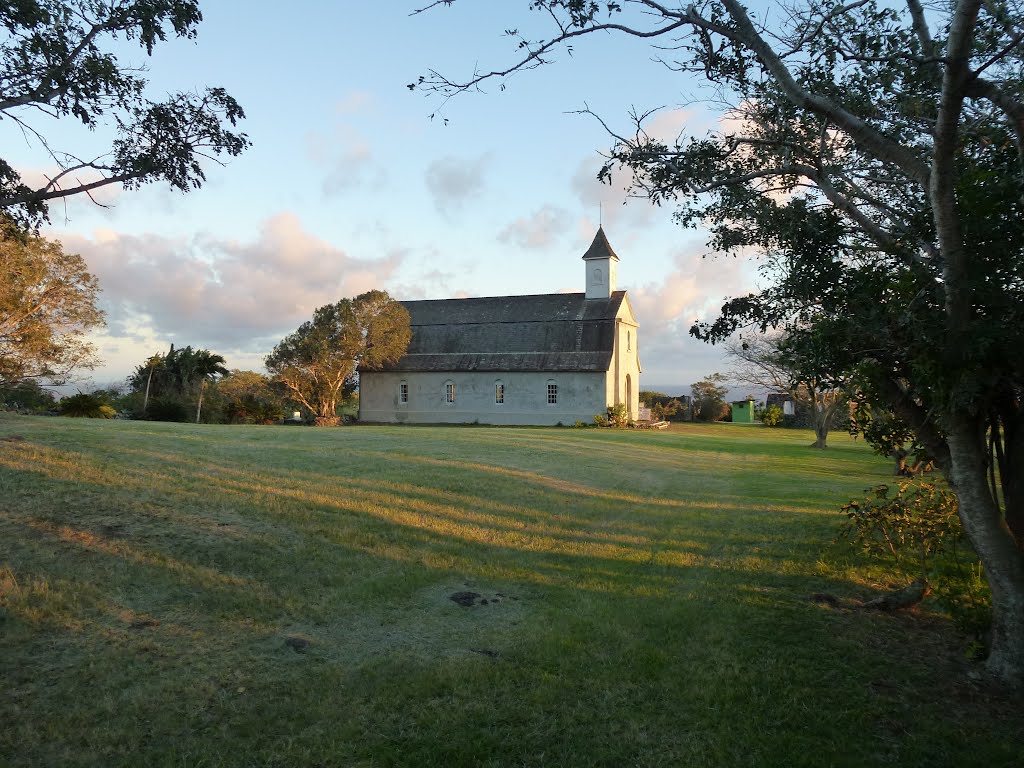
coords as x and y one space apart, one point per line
743 411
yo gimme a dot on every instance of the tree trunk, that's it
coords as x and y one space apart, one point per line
145 397
822 416
199 405
992 540
820 431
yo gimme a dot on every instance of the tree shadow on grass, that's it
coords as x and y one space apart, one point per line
637 628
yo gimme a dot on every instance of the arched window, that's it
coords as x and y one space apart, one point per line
499 393
629 341
449 392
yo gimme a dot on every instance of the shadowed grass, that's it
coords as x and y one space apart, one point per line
646 602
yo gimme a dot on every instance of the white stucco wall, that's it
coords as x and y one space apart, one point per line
580 397
625 363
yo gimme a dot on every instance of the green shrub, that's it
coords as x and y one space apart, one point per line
771 416
26 395
167 409
918 530
89 406
618 415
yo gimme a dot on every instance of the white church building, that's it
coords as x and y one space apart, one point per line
542 359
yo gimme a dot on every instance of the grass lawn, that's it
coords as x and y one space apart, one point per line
176 595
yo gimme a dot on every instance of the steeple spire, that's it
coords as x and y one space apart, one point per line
601 263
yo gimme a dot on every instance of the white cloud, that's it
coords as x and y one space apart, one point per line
609 203
225 295
452 181
666 308
538 230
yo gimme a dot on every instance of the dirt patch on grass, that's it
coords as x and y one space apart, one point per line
469 599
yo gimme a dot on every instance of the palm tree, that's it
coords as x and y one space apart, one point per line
156 361
196 368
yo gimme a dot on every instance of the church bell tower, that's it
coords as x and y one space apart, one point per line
601 263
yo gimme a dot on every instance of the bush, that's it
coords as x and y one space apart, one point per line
663 407
918 530
167 409
618 415
26 395
89 406
771 416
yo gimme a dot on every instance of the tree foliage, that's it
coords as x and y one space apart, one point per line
47 306
663 407
57 61
88 405
26 395
250 398
708 398
178 378
318 362
786 363
875 156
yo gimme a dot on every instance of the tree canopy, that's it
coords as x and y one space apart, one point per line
784 363
47 306
318 362
176 381
875 156
57 61
708 395
250 398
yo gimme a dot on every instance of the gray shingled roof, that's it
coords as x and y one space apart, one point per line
600 248
550 332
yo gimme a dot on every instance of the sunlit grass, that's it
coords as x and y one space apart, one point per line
647 602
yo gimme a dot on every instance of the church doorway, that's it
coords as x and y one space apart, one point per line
629 398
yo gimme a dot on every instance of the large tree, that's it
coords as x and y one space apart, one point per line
47 306
318 362
786 363
876 156
57 61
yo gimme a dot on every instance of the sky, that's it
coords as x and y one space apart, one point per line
350 184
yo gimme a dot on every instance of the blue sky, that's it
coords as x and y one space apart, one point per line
349 185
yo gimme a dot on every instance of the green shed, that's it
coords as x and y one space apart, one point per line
743 411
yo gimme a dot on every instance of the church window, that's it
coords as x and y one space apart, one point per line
629 341
597 277
403 392
449 392
499 393
552 393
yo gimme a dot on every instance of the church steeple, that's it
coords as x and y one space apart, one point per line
600 262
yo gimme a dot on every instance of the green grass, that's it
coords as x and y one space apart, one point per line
647 603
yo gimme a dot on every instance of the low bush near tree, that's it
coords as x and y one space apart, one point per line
771 416
914 526
86 405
